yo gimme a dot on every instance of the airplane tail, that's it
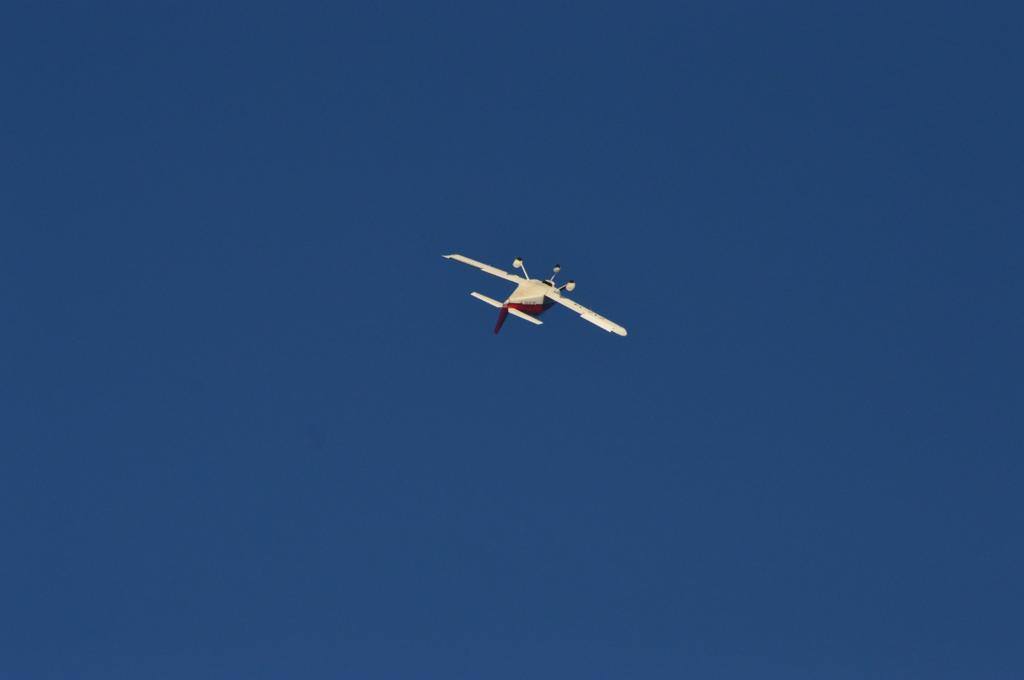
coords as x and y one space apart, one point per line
502 315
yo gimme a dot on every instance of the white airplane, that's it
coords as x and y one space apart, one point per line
532 297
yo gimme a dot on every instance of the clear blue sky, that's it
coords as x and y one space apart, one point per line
254 426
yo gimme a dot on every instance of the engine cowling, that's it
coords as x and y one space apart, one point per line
571 286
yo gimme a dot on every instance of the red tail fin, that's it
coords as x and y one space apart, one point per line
501 319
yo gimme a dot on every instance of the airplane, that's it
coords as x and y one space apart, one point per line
533 297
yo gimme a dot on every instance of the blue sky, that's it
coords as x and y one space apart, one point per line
253 424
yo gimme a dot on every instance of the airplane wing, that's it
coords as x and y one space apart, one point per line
493 271
588 314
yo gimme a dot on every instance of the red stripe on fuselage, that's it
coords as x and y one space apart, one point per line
533 310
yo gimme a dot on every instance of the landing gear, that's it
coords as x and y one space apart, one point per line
518 264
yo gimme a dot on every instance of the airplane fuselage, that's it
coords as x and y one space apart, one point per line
529 297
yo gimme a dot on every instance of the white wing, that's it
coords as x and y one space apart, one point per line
588 314
493 271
